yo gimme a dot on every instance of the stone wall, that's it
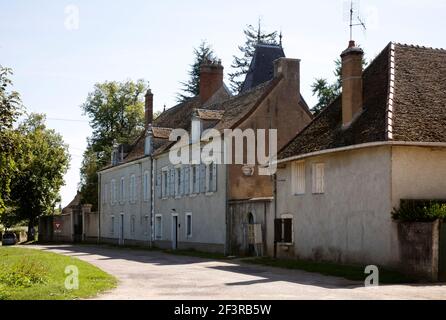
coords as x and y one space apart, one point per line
419 248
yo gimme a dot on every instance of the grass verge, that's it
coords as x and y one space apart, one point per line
30 274
350 272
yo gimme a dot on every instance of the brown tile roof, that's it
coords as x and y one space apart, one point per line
162 133
419 105
204 114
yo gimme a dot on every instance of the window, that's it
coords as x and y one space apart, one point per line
146 186
298 177
194 186
113 192
164 182
132 224
121 190
112 227
104 193
211 178
158 227
318 178
178 181
189 225
132 192
283 230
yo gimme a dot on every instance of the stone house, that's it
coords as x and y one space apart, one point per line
383 140
145 199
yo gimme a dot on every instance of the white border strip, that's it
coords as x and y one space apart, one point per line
391 92
365 145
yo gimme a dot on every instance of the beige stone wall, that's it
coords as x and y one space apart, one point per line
351 221
418 173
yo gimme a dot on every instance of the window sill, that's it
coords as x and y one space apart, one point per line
209 193
193 195
285 244
298 194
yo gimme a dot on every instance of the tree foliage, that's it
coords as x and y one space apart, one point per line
191 87
327 92
116 112
10 109
42 161
240 64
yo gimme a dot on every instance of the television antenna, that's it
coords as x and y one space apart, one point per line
355 20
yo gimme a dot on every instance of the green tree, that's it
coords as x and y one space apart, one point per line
10 109
240 64
116 112
42 161
191 88
327 92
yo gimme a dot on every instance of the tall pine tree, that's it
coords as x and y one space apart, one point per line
191 88
240 64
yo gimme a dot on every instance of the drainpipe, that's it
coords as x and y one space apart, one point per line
152 201
275 212
99 207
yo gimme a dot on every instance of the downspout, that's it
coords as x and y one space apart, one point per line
152 201
275 212
227 249
99 207
141 195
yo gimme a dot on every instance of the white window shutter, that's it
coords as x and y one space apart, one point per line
202 177
172 182
186 179
158 185
214 177
182 181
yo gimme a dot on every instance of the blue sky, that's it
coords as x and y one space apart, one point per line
55 66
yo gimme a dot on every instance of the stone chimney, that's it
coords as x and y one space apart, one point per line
289 69
211 79
351 83
148 108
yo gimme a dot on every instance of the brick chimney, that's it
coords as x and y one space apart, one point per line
211 79
351 83
289 69
148 108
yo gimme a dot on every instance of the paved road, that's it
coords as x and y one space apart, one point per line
155 275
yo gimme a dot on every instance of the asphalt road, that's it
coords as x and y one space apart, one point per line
146 274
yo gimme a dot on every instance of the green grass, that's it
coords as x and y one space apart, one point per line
31 274
350 272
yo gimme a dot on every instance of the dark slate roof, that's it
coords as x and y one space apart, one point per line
419 105
262 68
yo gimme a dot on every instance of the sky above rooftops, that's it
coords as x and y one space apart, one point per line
56 63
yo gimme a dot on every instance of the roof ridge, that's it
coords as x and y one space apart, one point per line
417 46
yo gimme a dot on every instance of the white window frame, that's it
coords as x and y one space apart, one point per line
122 190
164 182
145 188
132 187
208 186
298 178
113 192
319 178
178 181
194 188
160 229
188 232
104 193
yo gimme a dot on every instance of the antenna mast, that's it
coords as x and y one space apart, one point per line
352 23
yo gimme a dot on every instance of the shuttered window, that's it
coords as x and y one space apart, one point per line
298 178
283 230
165 183
146 186
318 178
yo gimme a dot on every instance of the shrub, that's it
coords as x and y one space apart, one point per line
420 210
24 273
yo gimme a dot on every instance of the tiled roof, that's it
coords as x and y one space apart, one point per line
418 104
204 114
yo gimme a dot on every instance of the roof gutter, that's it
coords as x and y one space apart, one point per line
363 146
